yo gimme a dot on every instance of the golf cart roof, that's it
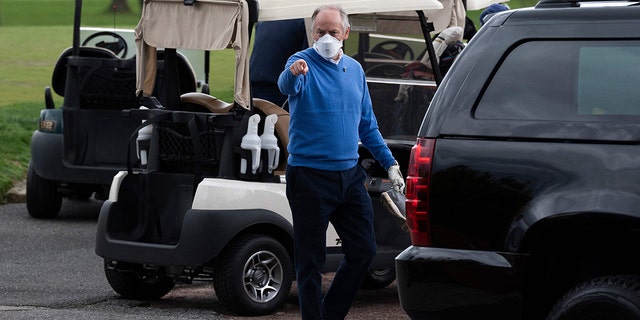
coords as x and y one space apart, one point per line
290 9
221 24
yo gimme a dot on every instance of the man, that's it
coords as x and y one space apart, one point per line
330 111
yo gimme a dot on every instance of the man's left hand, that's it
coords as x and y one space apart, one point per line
396 178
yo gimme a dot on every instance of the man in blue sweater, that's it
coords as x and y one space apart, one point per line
331 112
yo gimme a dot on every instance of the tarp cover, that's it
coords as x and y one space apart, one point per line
207 25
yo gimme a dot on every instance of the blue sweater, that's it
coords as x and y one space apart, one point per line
330 111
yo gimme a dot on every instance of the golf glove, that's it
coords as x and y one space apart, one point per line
396 178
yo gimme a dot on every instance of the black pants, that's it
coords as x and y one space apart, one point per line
318 197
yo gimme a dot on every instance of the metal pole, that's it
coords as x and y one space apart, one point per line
427 27
76 28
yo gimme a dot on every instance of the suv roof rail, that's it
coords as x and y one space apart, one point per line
557 4
578 3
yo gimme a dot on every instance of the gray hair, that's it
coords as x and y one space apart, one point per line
343 14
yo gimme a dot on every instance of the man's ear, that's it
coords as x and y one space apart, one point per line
346 33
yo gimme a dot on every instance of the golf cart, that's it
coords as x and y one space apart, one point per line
203 194
77 148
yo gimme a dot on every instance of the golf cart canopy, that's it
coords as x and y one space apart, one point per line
222 24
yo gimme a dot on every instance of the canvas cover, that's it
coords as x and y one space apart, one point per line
207 25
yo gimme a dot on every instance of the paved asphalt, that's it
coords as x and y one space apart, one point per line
49 270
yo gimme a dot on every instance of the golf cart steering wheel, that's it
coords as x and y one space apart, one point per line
396 49
118 46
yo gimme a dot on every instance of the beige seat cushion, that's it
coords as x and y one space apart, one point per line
210 102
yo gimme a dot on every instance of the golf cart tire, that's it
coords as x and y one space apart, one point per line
378 278
135 285
253 275
43 199
610 297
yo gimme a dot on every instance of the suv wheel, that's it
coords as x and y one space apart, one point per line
43 199
133 283
612 297
253 275
379 278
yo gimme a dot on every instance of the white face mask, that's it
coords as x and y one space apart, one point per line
328 46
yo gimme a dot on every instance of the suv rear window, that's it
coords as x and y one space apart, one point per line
565 81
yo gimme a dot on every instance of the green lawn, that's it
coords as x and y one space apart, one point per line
32 35
61 13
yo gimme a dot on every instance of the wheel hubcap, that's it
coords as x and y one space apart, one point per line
263 275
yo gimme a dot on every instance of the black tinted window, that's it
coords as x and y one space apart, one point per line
566 81
398 106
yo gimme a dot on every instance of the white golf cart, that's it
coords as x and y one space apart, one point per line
204 199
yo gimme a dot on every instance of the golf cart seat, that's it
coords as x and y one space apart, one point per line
197 100
106 81
59 77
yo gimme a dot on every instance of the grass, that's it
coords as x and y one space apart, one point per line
32 35
61 12
28 55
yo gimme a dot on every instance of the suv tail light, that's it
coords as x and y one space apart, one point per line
418 179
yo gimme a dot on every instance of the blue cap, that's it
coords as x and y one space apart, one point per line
491 10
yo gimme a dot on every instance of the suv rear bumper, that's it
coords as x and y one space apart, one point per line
432 282
47 159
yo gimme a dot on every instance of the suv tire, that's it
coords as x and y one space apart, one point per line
253 275
43 199
612 297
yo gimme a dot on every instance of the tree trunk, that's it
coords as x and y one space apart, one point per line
119 6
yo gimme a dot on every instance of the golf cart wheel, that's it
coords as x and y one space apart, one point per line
132 282
379 278
43 199
253 275
611 297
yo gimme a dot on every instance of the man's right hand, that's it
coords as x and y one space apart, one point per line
299 67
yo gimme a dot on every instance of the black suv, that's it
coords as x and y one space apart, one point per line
523 188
